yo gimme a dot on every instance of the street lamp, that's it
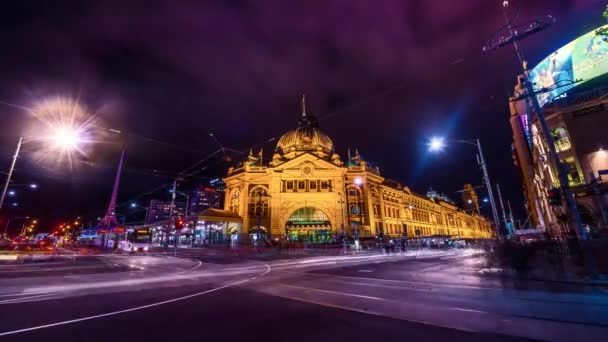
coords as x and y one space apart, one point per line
438 143
65 138
135 205
341 201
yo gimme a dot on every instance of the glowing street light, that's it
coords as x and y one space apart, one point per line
11 193
66 138
33 186
65 125
436 144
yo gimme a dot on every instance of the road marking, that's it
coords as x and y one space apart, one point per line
113 313
200 263
467 310
25 299
332 292
337 306
427 283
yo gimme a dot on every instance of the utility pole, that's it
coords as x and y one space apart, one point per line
516 34
502 208
482 163
10 172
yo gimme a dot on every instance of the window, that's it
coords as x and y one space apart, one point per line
234 201
312 185
301 185
354 209
324 185
290 185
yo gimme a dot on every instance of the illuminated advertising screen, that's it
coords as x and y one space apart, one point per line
580 60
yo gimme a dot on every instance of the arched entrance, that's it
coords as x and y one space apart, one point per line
308 224
588 219
257 235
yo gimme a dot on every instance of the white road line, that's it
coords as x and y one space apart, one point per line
268 269
332 292
368 312
20 299
428 283
467 310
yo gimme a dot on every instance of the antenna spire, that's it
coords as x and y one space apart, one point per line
303 104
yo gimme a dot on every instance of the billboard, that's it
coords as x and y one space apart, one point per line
582 59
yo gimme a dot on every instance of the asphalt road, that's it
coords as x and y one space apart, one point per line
205 295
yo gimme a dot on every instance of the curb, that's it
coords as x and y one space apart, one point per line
559 281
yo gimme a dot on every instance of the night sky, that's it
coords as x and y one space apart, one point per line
382 76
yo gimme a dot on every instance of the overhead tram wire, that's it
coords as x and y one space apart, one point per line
347 108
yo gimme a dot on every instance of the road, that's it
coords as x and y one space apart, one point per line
210 294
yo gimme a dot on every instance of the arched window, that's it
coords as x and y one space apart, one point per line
234 201
258 202
354 209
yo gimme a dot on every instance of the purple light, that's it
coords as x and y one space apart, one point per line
358 181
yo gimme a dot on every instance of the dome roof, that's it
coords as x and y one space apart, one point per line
307 137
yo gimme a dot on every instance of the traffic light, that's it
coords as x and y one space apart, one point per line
554 196
179 224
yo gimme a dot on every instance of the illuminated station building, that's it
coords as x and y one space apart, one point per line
307 193
572 88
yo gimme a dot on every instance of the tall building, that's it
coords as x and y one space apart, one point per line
218 184
470 201
577 117
160 210
205 197
308 193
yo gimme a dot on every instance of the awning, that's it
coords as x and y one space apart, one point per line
219 215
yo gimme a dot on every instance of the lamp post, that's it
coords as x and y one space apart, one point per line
359 184
64 138
135 205
341 201
10 171
260 208
437 144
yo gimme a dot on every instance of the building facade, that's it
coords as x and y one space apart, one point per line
160 210
205 197
307 193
